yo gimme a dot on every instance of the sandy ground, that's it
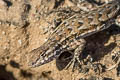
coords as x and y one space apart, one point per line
21 30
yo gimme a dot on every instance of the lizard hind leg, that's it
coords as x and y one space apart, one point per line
117 55
80 46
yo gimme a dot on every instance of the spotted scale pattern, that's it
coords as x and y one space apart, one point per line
70 33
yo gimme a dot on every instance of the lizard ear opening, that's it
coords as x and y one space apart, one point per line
117 21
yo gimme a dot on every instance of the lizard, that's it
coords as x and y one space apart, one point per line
70 34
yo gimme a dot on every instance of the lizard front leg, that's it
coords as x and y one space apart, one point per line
80 46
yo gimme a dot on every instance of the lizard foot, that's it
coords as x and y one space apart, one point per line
73 63
114 66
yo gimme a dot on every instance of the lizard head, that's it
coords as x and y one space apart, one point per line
43 55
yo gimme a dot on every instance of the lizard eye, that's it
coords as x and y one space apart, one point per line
117 21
